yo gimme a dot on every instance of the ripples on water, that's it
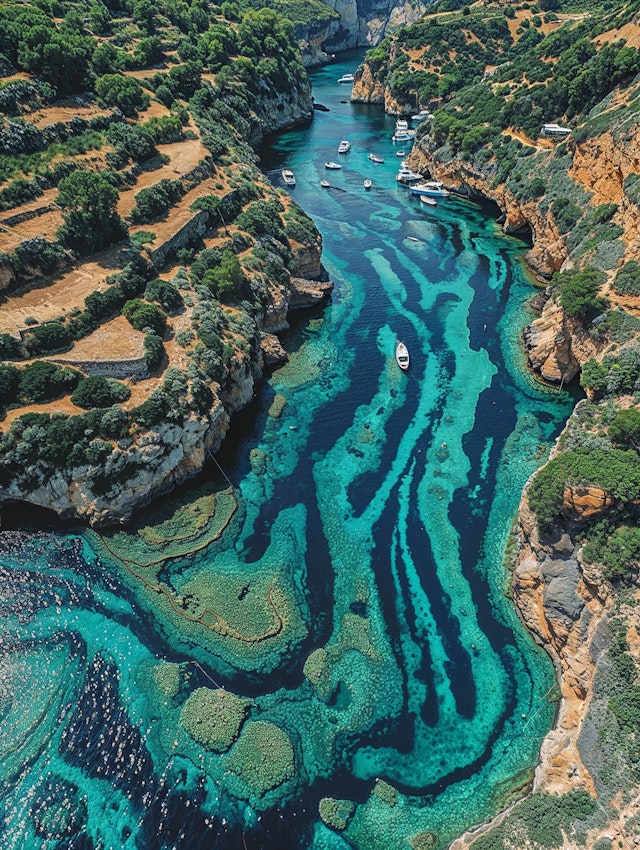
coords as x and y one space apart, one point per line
349 592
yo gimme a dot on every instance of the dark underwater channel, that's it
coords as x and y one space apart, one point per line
375 684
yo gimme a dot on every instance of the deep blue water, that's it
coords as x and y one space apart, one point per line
355 600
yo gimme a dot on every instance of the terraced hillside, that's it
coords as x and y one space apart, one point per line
146 262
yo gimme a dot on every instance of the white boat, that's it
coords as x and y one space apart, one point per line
325 184
402 356
430 202
344 146
433 188
401 124
373 157
403 135
289 177
367 183
399 153
406 175
333 166
346 78
422 115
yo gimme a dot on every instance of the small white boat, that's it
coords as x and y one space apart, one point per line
406 175
373 157
325 184
289 177
401 125
367 184
346 78
430 202
399 153
424 113
332 166
432 188
344 146
402 356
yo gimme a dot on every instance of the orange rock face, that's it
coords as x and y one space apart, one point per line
583 503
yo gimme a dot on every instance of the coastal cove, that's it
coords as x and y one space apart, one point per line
342 605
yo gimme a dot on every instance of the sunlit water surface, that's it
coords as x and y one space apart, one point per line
349 590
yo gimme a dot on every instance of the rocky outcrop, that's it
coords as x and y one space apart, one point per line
563 603
557 345
354 23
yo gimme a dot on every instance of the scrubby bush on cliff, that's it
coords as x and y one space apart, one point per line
578 292
625 428
615 375
97 391
615 471
262 218
130 143
226 280
615 546
627 279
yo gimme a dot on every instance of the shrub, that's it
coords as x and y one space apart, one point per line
9 383
166 294
123 92
43 381
579 292
625 428
50 336
89 211
153 203
153 350
225 280
142 315
97 391
627 279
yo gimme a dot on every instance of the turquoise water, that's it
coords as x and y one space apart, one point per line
325 656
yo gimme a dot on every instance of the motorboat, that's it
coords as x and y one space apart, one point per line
426 199
346 78
432 188
325 184
373 157
403 136
406 175
367 184
401 125
344 146
289 177
402 356
333 166
422 115
399 153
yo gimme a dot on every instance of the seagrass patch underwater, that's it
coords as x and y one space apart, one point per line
321 656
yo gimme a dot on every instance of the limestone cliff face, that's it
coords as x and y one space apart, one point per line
557 345
368 87
154 461
355 23
564 603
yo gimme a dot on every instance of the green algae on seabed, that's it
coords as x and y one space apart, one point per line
214 718
336 813
176 528
260 761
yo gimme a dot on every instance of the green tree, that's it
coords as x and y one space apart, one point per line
123 92
142 315
98 391
89 211
625 428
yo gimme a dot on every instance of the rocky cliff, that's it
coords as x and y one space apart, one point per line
153 461
354 23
